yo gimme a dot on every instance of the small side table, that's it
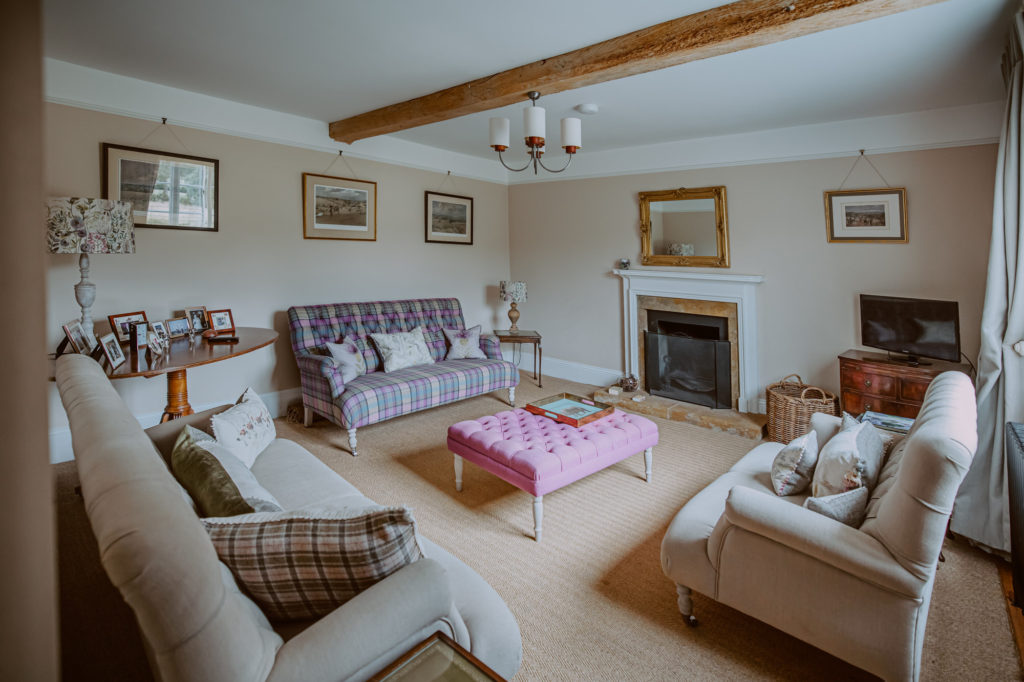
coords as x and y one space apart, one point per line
519 336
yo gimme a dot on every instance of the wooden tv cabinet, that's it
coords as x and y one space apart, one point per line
871 381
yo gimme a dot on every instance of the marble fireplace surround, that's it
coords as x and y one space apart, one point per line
700 293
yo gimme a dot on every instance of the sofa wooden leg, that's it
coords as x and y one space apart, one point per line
352 442
648 458
512 396
458 473
538 516
685 603
307 416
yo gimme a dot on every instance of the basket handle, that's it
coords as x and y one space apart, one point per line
798 379
824 396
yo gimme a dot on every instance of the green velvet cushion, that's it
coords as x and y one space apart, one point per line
205 478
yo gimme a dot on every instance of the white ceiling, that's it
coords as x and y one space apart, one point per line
328 60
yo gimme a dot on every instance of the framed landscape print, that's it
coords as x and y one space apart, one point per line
449 218
867 215
121 324
174 191
338 208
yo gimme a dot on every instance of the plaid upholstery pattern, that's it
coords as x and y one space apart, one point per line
301 565
375 396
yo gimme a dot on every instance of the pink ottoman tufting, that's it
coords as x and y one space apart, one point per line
538 455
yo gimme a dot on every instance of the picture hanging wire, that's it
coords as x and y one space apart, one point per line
446 179
163 124
855 162
341 155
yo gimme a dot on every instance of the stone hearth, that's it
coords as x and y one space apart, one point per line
731 421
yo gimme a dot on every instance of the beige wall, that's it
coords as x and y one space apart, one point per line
28 620
566 236
258 264
697 228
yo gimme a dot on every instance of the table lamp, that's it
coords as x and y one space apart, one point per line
84 226
516 293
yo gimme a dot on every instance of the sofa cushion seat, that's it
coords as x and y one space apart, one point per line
297 479
378 396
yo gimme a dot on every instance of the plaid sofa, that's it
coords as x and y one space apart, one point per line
377 395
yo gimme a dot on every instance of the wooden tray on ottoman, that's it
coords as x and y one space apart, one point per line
570 409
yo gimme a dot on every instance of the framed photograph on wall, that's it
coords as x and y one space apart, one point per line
449 218
867 215
174 191
221 321
121 324
112 350
338 208
178 327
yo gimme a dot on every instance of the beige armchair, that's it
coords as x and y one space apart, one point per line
861 594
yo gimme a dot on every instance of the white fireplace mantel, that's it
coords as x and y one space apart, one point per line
738 289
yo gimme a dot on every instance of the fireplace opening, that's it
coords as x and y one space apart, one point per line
688 358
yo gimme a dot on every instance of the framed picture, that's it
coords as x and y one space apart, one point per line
119 324
867 215
77 337
139 337
173 191
338 208
222 322
112 350
449 218
160 329
197 318
178 327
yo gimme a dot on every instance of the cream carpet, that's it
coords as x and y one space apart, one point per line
591 600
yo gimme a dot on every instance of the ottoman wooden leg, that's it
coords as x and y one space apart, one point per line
538 516
458 473
512 396
352 442
648 456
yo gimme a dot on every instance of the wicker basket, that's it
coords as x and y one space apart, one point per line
790 406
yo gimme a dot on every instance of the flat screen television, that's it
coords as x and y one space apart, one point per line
913 326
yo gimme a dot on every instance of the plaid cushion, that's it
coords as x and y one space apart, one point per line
304 564
375 397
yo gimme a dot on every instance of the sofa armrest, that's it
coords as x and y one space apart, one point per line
319 369
369 627
817 536
491 346
163 435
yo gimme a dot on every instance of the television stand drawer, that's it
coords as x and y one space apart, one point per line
858 403
868 382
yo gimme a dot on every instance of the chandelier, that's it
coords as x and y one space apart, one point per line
533 128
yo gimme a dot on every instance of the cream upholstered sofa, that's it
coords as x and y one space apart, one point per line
861 594
195 622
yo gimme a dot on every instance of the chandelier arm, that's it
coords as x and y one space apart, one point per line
549 170
514 170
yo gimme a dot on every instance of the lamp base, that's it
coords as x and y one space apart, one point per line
85 294
513 317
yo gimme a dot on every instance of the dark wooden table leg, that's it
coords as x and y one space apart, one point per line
177 396
540 366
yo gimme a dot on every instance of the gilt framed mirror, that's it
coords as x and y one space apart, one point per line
685 227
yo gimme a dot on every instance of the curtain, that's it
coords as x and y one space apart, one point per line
981 511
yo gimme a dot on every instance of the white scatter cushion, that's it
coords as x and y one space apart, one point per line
848 507
349 358
794 465
258 497
465 344
850 459
245 429
403 349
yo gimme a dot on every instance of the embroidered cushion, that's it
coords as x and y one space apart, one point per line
850 459
402 349
303 564
465 343
349 358
848 507
217 481
794 465
245 429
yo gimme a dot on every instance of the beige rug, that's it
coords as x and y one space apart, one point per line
591 600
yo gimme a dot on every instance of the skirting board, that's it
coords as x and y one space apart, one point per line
277 402
564 369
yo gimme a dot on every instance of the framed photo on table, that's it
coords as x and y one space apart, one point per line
338 208
149 179
112 350
867 215
119 324
197 318
449 218
222 322
160 329
178 327
76 337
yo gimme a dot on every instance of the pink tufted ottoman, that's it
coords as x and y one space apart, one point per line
538 455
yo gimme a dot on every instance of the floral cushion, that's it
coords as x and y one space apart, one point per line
402 349
245 429
465 344
349 358
794 465
849 459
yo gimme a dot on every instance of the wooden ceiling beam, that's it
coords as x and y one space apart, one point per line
730 28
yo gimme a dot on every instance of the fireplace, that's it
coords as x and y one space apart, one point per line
688 357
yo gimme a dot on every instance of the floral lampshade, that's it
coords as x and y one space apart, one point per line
512 291
81 225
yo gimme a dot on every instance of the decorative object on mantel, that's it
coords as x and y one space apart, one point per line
866 215
790 406
629 383
533 131
623 264
449 218
515 292
83 226
684 227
